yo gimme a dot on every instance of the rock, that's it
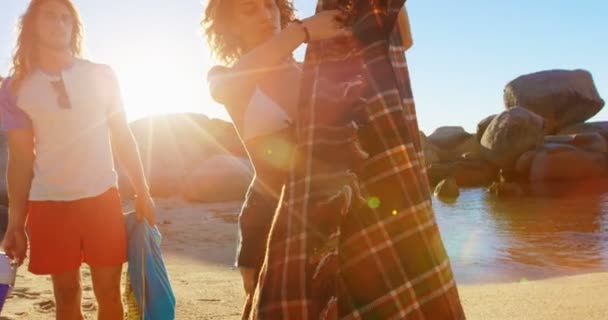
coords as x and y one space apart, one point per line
174 145
565 162
509 135
522 167
466 173
561 97
447 189
448 137
448 144
590 141
218 179
469 145
431 152
599 127
483 125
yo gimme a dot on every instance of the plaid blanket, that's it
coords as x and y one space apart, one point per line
355 236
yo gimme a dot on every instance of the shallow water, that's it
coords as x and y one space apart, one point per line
552 231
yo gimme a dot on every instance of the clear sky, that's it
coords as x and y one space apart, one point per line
464 52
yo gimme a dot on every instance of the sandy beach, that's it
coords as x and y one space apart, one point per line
199 241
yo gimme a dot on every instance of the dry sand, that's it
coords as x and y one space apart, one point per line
198 244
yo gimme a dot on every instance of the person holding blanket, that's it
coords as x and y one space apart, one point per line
356 236
259 85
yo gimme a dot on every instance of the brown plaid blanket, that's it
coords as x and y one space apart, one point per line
355 236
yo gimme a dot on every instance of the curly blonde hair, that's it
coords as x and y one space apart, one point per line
224 44
24 57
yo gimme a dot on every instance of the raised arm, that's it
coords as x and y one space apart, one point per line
245 73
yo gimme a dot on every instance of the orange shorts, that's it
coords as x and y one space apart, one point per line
63 234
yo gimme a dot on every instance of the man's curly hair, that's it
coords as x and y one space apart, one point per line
226 46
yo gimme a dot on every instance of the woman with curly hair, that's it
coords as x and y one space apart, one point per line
259 86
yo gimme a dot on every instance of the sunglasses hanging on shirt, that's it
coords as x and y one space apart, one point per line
62 95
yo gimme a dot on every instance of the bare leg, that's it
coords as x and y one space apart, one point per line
106 284
68 294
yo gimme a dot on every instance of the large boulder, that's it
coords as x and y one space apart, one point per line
566 162
599 127
452 142
483 125
218 179
172 146
431 152
567 145
509 135
561 97
448 137
469 146
523 164
591 141
466 173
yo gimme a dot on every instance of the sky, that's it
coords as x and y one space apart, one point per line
464 51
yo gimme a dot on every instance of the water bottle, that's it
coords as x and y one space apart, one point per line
7 278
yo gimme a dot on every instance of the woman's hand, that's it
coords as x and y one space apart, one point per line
325 25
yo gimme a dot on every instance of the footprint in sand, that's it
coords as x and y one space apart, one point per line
24 293
44 306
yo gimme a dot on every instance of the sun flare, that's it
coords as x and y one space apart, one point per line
160 83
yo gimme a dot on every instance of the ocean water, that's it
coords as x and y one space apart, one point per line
552 231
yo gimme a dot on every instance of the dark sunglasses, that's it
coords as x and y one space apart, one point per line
62 95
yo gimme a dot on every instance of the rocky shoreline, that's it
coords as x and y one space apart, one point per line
541 137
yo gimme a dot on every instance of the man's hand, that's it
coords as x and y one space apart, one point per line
15 244
145 209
